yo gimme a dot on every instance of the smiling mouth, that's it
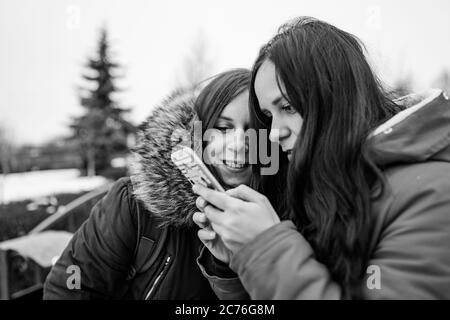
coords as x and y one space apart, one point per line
235 164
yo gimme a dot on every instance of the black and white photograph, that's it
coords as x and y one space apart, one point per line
224 150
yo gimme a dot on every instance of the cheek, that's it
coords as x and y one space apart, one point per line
216 144
295 124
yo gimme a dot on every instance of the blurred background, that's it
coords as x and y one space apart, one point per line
78 77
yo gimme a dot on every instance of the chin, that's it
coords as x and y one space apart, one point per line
234 180
233 183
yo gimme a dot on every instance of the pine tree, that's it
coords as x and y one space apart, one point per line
102 131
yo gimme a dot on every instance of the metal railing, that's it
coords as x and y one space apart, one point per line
63 212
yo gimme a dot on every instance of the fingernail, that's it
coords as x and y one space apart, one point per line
195 188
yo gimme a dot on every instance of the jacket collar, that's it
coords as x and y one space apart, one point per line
419 133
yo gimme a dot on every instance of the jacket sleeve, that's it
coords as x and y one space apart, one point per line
412 254
224 282
102 249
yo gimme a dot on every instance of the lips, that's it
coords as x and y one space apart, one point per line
235 165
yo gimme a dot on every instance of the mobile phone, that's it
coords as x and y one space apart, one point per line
194 169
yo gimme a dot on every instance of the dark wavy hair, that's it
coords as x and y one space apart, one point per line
331 178
216 95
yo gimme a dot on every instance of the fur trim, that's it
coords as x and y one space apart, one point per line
157 182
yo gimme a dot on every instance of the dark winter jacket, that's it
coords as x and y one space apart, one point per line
139 241
410 239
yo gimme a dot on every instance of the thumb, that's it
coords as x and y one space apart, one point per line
206 235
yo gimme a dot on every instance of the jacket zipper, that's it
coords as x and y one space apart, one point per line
158 278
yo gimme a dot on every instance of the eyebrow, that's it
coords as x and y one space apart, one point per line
277 100
225 118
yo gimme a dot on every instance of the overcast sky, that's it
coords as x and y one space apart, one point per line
44 44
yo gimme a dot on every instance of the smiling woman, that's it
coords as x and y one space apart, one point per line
225 145
140 241
227 149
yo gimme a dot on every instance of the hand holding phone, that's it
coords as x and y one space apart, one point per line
194 169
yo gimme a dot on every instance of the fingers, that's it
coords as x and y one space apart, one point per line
200 220
214 215
201 203
245 193
216 198
206 235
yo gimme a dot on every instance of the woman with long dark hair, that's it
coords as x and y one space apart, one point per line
366 180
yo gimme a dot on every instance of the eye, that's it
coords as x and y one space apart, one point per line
288 108
223 128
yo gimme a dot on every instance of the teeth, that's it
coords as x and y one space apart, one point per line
233 164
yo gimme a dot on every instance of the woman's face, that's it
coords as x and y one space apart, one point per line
286 121
228 143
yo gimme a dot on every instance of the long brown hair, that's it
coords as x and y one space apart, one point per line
330 179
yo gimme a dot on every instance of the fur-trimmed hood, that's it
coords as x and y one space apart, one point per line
157 182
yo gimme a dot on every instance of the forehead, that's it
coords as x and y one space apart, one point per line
237 109
266 86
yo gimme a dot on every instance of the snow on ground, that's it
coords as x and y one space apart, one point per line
29 185
43 247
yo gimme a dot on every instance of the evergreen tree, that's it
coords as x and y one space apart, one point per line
102 131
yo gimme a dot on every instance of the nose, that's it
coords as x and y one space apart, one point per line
278 132
238 143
